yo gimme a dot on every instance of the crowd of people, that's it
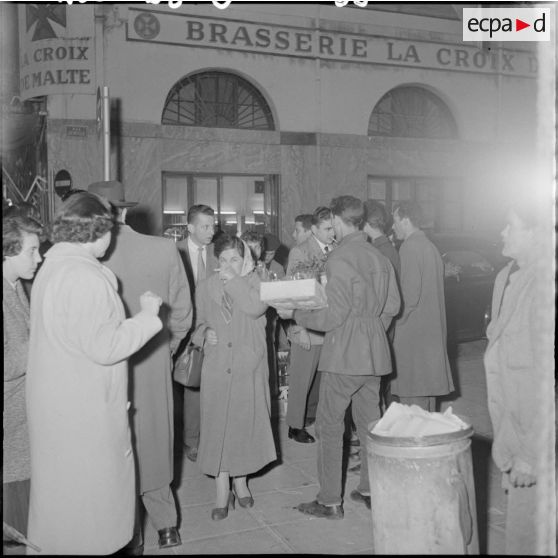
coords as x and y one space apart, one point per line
88 390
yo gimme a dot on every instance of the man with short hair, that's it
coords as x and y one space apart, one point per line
420 344
142 263
200 262
375 227
362 300
306 345
302 228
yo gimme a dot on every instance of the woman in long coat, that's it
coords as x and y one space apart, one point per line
235 433
82 468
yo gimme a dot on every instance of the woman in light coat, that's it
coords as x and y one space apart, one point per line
520 385
82 468
235 431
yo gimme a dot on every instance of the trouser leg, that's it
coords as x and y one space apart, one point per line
426 403
160 507
15 504
335 396
366 409
301 372
313 396
191 417
521 520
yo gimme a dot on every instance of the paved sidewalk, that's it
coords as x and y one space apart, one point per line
274 526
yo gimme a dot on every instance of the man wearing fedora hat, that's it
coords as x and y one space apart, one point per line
142 262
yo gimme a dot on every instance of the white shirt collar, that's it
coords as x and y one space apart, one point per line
320 243
193 247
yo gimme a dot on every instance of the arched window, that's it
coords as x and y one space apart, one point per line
217 100
412 112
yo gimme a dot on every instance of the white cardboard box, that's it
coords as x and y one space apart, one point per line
303 294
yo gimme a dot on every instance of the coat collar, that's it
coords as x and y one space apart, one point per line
380 240
358 236
70 250
510 296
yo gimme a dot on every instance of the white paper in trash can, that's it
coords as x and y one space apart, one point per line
410 421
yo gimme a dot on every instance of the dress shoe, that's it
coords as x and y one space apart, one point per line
309 421
169 537
221 513
245 502
356 496
300 435
191 452
319 510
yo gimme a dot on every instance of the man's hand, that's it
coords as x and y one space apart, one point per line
302 338
283 313
521 474
211 336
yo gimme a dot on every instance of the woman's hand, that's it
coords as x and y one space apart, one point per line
211 336
150 303
226 274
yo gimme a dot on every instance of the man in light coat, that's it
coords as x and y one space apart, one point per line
420 344
362 299
142 262
199 262
306 345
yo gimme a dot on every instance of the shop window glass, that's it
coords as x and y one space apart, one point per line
217 100
412 112
439 198
241 202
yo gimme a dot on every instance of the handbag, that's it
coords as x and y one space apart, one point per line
188 366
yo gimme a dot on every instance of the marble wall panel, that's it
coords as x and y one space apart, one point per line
298 186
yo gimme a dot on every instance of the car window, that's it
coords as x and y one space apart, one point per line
466 263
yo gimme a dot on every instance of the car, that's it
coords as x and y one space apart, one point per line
471 264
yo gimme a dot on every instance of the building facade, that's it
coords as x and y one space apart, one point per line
265 111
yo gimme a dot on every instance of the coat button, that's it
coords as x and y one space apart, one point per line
228 370
229 344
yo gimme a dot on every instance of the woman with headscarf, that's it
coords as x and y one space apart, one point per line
518 363
82 466
235 433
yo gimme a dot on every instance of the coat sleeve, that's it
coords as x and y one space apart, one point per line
393 301
245 293
202 314
95 324
16 349
338 291
180 301
411 281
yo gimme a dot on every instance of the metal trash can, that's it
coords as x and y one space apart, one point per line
423 494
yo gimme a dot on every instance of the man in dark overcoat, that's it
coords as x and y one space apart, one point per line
362 299
420 344
142 262
196 251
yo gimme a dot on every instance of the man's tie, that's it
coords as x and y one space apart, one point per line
326 249
201 266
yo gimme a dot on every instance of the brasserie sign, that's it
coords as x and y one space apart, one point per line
180 29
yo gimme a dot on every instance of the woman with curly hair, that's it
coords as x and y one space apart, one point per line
82 466
20 258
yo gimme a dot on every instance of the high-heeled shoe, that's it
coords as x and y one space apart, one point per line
246 502
221 513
